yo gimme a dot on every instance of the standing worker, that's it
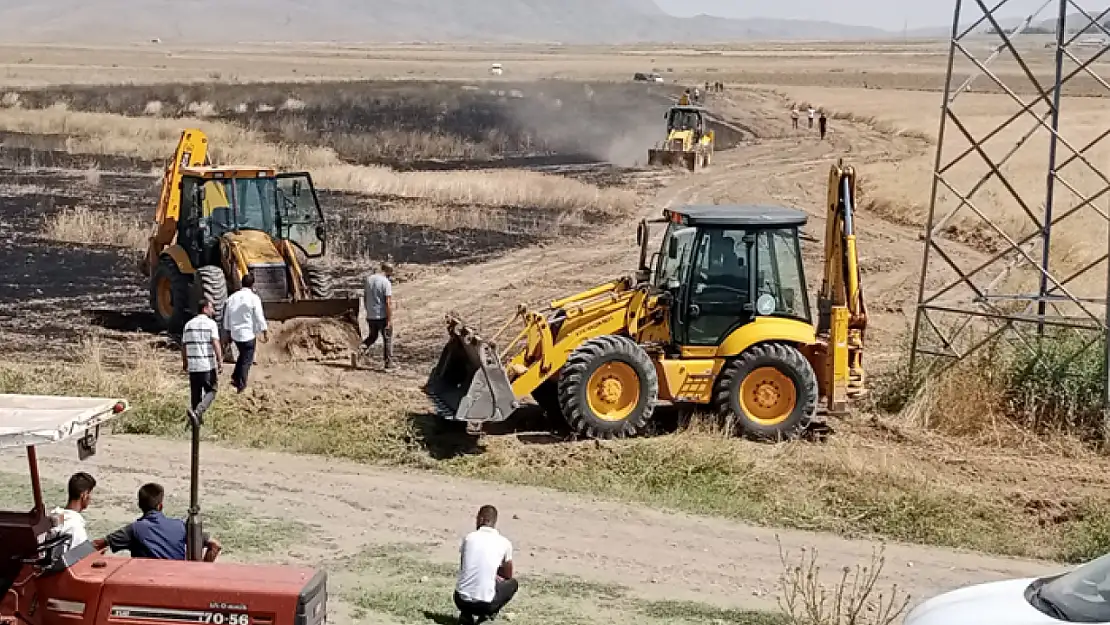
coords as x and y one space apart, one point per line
823 124
812 114
202 357
378 300
485 582
794 117
685 99
244 320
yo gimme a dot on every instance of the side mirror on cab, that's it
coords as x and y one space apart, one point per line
296 188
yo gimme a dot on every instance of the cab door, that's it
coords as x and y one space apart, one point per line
300 219
718 292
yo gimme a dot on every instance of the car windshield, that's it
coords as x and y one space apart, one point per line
1083 595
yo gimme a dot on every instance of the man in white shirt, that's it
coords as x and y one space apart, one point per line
812 116
68 520
485 582
244 320
202 357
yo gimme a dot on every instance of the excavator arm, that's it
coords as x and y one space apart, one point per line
842 311
192 151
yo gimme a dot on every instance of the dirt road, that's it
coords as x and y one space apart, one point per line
349 507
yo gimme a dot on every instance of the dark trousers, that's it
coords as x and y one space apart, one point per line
376 328
202 390
243 363
471 610
824 128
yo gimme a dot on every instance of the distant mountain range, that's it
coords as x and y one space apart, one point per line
564 21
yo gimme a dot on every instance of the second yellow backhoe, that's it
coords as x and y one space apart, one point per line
689 142
719 318
214 224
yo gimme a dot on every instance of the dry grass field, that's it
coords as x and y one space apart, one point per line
487 198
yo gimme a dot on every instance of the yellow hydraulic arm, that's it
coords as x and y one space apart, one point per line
841 306
192 151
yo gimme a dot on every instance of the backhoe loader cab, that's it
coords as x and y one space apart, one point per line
214 224
719 318
724 267
47 580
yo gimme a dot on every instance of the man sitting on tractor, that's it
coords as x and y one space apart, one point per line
154 535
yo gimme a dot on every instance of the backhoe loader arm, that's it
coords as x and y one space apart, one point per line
841 302
192 151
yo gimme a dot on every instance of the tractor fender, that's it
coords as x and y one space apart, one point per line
764 330
180 258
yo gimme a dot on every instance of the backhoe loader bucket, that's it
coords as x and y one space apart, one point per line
672 158
338 307
468 383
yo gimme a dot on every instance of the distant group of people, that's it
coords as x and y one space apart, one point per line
813 114
694 96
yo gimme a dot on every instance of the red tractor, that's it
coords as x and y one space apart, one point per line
46 581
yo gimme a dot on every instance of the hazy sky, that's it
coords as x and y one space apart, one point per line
888 14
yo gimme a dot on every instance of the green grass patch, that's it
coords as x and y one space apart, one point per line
399 581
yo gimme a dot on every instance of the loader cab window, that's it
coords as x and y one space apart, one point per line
719 297
674 261
780 275
255 203
684 120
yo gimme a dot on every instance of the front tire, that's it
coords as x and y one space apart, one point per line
169 295
608 388
767 393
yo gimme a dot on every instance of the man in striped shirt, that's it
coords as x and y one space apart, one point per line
202 357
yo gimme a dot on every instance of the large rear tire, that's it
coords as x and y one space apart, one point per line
169 295
767 393
608 388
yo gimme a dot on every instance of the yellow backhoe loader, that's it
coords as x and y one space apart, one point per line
719 318
689 142
213 224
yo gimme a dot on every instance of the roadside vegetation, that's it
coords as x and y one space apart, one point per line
889 478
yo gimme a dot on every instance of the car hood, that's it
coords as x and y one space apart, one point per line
984 604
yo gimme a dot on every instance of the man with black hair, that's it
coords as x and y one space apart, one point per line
485 583
69 520
202 358
243 321
154 535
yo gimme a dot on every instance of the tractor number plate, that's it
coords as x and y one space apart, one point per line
207 617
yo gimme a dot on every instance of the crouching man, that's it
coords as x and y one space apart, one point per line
485 583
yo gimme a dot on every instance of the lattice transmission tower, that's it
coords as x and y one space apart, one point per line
1016 239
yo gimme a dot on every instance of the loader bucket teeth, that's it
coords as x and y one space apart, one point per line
468 383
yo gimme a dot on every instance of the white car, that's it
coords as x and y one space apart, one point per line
1081 595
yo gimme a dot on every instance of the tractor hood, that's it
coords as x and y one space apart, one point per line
255 247
200 592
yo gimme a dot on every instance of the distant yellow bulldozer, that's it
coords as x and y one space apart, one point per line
214 224
719 318
689 143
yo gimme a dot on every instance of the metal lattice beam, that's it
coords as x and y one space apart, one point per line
967 300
